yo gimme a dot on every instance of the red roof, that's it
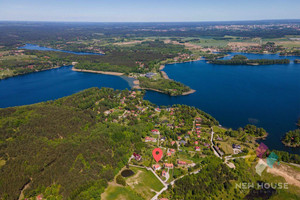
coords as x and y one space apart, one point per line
181 162
168 165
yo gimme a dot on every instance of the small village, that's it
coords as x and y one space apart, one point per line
183 134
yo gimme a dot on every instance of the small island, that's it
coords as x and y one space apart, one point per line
292 138
243 60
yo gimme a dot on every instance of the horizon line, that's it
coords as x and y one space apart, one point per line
250 20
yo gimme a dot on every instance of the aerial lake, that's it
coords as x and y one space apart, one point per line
267 96
40 48
52 84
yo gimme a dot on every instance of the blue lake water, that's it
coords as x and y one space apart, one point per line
52 84
36 47
267 96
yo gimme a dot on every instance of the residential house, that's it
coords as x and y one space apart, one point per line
107 112
137 157
155 132
156 167
172 150
182 142
181 163
236 146
168 165
157 109
150 139
150 75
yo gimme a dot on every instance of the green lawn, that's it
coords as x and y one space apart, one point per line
120 193
5 73
218 129
226 147
144 182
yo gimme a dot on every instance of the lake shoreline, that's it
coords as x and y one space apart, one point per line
98 72
36 71
136 82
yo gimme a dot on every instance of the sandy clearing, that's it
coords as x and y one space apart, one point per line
98 72
291 176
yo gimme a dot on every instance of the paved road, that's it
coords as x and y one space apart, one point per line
212 144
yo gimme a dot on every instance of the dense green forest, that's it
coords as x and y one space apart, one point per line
247 130
215 179
119 59
292 138
15 64
124 59
15 33
243 60
140 58
164 85
62 142
287 157
69 147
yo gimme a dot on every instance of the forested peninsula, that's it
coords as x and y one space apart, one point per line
243 60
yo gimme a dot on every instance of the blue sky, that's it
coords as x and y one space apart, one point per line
148 10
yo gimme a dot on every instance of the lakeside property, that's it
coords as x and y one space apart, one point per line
215 91
122 129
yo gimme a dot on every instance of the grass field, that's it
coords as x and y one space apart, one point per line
292 193
218 129
144 182
5 73
114 192
227 148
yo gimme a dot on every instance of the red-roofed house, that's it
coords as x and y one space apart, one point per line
155 131
172 150
39 197
181 163
150 139
137 157
156 167
196 142
197 148
173 142
169 165
164 173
